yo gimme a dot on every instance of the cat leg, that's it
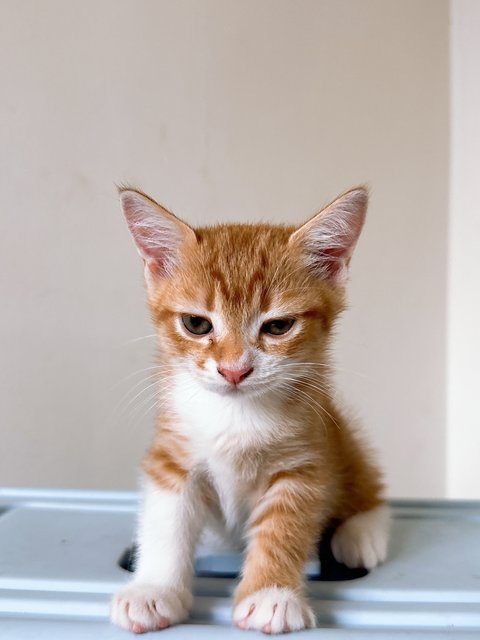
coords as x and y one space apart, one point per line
362 539
284 528
159 594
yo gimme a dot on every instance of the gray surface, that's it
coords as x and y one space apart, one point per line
18 629
58 569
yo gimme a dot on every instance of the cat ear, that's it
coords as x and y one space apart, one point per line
157 233
328 239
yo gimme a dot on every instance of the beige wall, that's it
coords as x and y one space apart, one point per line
224 111
463 478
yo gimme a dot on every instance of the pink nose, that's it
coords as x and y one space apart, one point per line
235 376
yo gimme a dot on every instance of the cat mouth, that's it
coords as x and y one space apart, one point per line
242 389
233 390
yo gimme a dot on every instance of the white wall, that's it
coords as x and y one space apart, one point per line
464 254
223 110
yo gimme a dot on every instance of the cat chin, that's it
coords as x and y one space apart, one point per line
231 391
237 391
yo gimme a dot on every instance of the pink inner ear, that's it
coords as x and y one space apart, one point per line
157 233
330 250
150 243
331 261
330 237
156 267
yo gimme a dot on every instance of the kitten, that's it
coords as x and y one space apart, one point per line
250 444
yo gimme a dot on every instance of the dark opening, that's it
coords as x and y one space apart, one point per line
330 569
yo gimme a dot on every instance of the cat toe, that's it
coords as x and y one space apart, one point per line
274 610
146 607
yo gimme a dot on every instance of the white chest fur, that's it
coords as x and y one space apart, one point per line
230 437
227 426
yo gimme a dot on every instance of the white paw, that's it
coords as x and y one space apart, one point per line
141 607
362 540
274 610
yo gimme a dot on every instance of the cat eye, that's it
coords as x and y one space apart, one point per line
278 327
197 325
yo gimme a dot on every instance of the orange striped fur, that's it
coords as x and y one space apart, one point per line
300 465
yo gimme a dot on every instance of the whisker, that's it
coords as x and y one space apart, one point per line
318 389
322 408
332 367
302 397
153 405
134 373
325 391
160 385
160 397
126 395
152 335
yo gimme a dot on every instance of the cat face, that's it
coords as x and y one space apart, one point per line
245 309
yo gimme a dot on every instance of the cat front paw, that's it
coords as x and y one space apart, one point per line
141 607
274 610
362 540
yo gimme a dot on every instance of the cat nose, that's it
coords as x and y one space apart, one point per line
235 376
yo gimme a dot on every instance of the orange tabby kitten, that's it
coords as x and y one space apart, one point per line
249 444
